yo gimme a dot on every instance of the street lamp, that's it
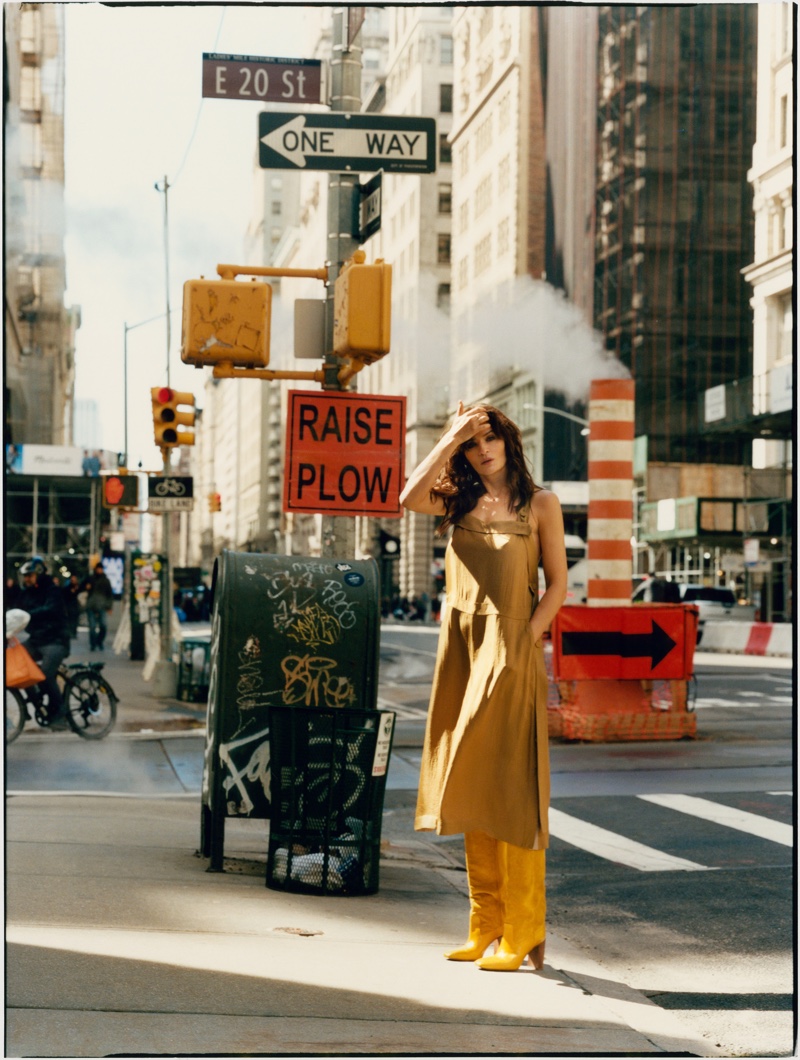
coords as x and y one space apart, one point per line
561 412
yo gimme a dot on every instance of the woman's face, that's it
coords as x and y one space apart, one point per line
486 452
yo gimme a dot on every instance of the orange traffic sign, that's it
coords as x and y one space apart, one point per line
648 641
344 453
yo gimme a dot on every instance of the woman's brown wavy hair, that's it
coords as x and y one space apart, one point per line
459 487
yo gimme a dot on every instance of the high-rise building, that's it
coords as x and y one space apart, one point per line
415 237
674 221
39 330
771 271
499 192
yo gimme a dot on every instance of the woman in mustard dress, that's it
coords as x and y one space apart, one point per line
485 769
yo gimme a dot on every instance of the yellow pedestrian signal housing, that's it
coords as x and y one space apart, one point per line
226 321
214 502
362 309
170 421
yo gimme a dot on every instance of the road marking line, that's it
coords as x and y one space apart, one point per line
789 793
741 820
615 847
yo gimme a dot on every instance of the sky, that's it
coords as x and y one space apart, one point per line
133 115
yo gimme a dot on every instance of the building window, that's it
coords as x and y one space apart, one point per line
483 137
463 160
446 99
502 237
463 273
276 208
446 51
483 196
276 183
504 111
463 217
784 119
483 255
785 346
443 248
445 198
443 297
504 176
445 151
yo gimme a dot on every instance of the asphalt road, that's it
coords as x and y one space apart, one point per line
671 862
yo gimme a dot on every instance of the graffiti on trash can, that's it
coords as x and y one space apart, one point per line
334 596
311 682
312 626
347 778
248 771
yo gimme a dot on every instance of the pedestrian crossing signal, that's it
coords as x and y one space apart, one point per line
362 312
121 491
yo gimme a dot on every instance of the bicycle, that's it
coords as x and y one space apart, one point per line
89 699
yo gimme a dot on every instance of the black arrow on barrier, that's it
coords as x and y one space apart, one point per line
657 644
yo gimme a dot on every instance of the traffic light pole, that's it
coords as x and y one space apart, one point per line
165 675
338 532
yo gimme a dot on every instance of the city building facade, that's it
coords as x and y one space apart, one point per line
39 329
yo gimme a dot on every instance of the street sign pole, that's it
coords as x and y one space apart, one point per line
165 675
339 532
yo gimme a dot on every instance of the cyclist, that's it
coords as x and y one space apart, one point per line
48 631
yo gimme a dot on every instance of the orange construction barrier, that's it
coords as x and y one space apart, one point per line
622 673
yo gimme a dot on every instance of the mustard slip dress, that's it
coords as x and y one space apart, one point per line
485 763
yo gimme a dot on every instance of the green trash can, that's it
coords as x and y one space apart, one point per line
328 777
194 666
286 631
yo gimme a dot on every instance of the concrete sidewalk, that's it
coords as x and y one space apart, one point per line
119 942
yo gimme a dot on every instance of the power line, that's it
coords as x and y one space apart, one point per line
199 109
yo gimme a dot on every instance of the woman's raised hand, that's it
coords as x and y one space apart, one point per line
467 423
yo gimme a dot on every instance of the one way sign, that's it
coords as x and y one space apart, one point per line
346 142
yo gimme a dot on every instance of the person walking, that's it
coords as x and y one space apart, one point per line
48 636
72 591
485 767
98 605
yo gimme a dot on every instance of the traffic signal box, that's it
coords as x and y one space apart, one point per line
214 502
170 421
121 491
363 309
226 321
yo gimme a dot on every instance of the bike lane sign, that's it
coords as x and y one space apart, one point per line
170 493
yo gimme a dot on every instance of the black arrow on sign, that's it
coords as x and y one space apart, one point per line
657 644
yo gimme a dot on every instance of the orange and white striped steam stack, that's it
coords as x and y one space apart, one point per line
611 406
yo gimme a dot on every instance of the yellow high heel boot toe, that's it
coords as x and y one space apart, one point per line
485 898
525 904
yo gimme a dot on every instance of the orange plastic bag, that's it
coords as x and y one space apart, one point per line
21 670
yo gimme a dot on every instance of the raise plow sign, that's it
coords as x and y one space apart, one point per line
344 453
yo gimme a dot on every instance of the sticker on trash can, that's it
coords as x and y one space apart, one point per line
380 763
354 578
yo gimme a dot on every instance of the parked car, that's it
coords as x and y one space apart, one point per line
714 602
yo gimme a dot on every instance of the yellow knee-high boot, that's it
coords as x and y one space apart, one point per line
485 896
524 905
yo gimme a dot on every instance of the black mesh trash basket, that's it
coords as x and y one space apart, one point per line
327 781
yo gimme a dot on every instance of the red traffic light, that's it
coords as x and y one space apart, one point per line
164 394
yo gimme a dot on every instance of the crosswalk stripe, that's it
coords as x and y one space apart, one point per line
753 823
615 847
